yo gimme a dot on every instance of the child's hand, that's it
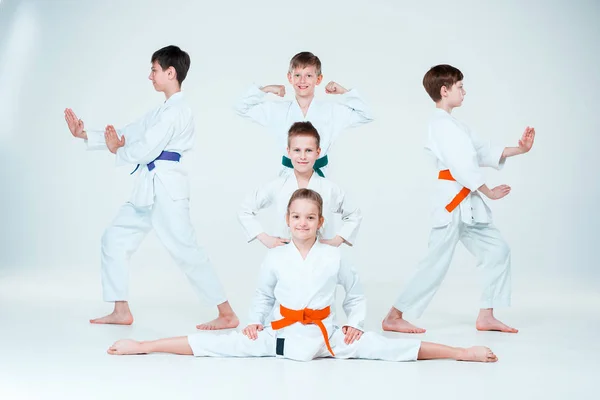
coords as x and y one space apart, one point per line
271 242
112 140
351 334
335 88
277 90
75 124
499 192
335 242
526 141
252 331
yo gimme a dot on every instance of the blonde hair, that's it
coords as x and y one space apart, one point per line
303 60
307 194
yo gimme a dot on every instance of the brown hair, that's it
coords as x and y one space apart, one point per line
303 129
438 77
307 194
305 59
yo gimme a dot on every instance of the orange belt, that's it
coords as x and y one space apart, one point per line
306 316
464 192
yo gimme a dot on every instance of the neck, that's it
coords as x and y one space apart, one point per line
444 107
171 91
303 176
304 101
304 245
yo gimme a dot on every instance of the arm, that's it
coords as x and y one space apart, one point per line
151 142
253 105
355 305
352 111
264 297
351 218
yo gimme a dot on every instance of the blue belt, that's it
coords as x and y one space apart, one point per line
164 156
320 163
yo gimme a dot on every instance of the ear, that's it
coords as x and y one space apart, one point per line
289 153
318 152
319 79
321 222
289 76
287 219
444 91
171 73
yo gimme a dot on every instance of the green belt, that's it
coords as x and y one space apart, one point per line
320 163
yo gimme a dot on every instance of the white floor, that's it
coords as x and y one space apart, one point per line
48 350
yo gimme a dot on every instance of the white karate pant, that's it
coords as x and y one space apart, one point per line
171 221
371 346
483 241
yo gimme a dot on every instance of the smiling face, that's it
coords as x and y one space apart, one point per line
304 219
303 151
304 80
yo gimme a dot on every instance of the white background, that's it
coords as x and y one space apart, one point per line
525 63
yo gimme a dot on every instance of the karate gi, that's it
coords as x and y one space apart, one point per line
329 118
159 201
457 149
288 280
279 191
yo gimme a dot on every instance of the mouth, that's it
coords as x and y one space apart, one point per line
302 87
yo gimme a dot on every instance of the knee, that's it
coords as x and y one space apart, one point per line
501 253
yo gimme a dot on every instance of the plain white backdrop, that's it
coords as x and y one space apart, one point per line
525 63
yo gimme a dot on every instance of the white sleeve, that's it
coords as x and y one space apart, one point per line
96 141
264 297
457 152
253 106
351 215
248 214
151 142
352 111
355 304
488 155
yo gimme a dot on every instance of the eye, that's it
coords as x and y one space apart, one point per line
295 216
311 217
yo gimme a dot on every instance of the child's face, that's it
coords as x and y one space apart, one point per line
159 78
456 95
304 80
303 152
303 219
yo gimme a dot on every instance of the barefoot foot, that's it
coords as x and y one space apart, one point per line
125 347
117 318
478 354
490 323
221 322
397 324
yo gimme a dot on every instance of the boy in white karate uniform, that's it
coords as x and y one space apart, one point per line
303 150
460 212
329 118
299 281
160 198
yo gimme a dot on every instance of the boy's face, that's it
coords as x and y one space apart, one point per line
303 219
303 152
304 80
160 79
456 95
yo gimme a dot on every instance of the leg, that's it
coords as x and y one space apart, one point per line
171 220
434 351
372 346
176 345
427 279
119 242
493 255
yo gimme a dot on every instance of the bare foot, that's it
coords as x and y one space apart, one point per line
117 318
398 324
490 323
478 354
221 322
126 346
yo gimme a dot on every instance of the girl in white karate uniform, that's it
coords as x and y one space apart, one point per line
330 118
160 198
460 212
303 150
298 281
